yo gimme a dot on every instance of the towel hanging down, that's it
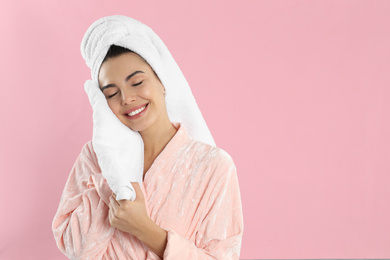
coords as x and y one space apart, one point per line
119 149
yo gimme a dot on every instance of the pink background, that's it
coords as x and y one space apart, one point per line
297 92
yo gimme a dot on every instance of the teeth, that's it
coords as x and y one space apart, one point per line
137 111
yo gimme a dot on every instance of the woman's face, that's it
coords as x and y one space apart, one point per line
129 85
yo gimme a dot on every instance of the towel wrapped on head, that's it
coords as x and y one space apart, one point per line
121 156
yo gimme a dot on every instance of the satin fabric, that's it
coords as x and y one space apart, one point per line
191 190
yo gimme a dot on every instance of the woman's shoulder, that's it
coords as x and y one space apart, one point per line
214 166
86 163
212 155
87 153
88 148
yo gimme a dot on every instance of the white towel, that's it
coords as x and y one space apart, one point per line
181 105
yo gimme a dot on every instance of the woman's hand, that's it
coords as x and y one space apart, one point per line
132 217
129 216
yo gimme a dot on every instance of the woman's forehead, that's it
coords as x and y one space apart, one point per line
122 66
126 61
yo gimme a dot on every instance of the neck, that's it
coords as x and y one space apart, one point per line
156 137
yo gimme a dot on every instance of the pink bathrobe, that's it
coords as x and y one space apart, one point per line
191 190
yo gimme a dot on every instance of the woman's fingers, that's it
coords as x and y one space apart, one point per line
111 213
138 191
113 201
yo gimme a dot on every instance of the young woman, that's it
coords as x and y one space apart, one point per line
188 205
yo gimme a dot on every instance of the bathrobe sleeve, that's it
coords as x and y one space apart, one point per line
220 232
81 226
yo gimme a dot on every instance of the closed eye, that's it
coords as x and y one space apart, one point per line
138 83
112 95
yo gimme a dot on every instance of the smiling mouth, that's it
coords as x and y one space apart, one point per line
139 110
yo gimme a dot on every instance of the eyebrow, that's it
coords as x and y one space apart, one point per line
127 79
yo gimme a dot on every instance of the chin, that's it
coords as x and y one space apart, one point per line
138 125
137 128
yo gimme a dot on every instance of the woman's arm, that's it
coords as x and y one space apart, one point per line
132 217
81 226
78 225
155 238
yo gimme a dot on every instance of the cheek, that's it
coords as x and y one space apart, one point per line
145 93
114 106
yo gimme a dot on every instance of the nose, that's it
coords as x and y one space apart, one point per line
128 97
